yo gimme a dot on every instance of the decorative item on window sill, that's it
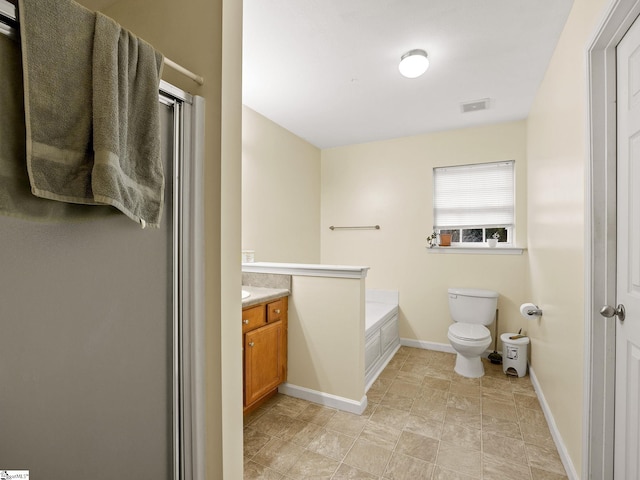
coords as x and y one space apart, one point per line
432 240
493 241
445 239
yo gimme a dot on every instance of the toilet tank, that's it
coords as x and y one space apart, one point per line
472 305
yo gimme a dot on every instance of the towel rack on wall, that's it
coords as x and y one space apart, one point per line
8 18
363 227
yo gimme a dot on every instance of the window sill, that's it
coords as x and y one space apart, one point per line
483 250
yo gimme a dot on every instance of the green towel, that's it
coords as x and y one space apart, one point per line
127 171
16 199
91 109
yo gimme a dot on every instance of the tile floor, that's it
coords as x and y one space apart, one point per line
423 421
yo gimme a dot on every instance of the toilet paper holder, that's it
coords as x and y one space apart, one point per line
531 310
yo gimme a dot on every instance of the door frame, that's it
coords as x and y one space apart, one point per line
600 240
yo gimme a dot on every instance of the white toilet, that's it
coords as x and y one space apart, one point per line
471 310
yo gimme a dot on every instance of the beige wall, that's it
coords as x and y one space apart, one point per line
557 143
319 359
191 33
280 193
390 183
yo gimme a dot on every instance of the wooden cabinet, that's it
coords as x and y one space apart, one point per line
262 361
264 343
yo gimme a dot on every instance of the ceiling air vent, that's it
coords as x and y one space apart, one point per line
475 106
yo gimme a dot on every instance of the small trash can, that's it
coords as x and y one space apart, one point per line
514 354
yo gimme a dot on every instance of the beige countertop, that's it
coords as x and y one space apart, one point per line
262 295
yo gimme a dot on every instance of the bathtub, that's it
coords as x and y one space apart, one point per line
382 338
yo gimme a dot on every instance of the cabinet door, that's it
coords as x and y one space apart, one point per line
263 360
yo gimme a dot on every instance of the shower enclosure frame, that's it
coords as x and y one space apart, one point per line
188 284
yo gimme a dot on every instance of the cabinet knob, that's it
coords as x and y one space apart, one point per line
245 321
277 310
251 344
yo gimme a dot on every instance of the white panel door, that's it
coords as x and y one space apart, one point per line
627 415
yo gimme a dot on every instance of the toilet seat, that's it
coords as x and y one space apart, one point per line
469 332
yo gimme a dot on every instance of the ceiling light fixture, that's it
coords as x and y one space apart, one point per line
413 63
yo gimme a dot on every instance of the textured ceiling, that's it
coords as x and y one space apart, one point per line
327 70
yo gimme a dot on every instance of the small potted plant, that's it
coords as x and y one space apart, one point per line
493 241
445 239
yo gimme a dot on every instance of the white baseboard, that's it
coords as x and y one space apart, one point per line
438 347
555 433
325 399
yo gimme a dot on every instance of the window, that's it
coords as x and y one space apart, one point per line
475 202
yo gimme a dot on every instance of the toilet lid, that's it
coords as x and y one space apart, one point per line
469 331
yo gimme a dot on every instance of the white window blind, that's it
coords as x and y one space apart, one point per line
480 195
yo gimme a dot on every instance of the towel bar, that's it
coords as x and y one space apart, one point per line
363 227
9 19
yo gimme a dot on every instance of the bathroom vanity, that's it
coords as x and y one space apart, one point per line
326 330
264 344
